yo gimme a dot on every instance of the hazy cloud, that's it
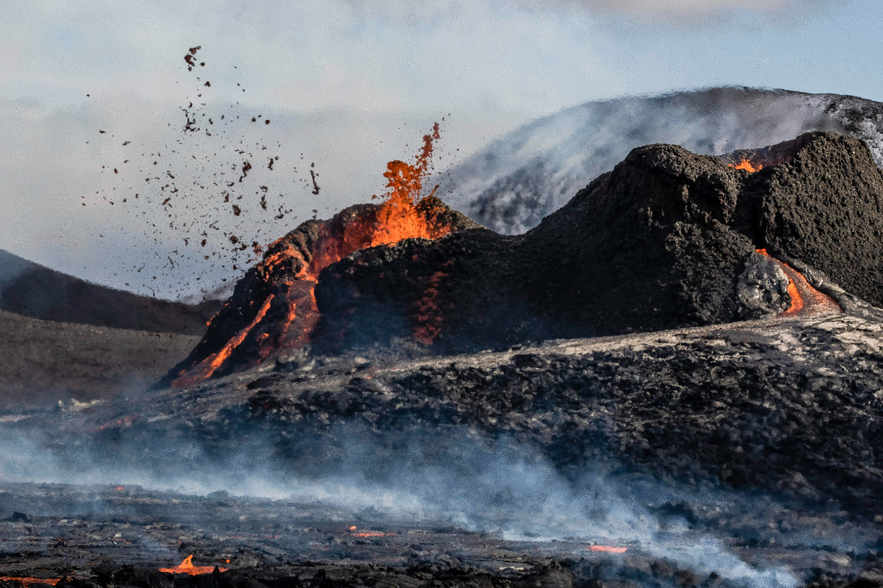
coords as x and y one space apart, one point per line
417 10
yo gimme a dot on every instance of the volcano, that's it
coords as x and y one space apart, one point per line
667 239
741 447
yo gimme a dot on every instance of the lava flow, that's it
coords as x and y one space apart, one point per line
216 360
279 311
187 567
27 582
607 548
804 298
747 166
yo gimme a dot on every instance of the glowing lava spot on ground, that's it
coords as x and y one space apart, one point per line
607 548
27 582
187 567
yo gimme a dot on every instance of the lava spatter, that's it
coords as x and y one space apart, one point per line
199 179
291 267
187 567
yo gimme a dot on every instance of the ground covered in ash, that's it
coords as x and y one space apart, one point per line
741 454
82 536
46 362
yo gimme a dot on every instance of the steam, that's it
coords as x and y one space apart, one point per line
516 181
452 477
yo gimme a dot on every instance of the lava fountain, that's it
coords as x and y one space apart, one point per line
274 307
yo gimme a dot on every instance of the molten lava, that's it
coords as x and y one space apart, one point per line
208 366
187 567
289 303
747 166
607 548
27 582
399 217
804 298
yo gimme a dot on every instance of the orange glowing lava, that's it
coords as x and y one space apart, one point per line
804 298
429 317
26 582
210 364
291 267
746 165
187 567
607 548
353 531
398 217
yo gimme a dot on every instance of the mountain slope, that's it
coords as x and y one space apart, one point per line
32 290
517 180
46 361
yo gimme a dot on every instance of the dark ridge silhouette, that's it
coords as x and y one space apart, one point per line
32 290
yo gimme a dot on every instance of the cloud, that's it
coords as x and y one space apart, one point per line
427 10
663 8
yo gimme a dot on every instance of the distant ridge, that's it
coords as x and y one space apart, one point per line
513 183
32 290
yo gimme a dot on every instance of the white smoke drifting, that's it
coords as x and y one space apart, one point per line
500 487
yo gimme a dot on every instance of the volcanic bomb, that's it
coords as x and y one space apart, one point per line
667 239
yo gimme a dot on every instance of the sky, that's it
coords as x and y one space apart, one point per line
347 85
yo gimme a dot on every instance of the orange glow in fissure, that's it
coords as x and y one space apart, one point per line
187 567
746 165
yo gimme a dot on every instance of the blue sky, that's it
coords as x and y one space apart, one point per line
352 84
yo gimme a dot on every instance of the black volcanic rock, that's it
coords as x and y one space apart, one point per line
825 208
32 290
667 239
